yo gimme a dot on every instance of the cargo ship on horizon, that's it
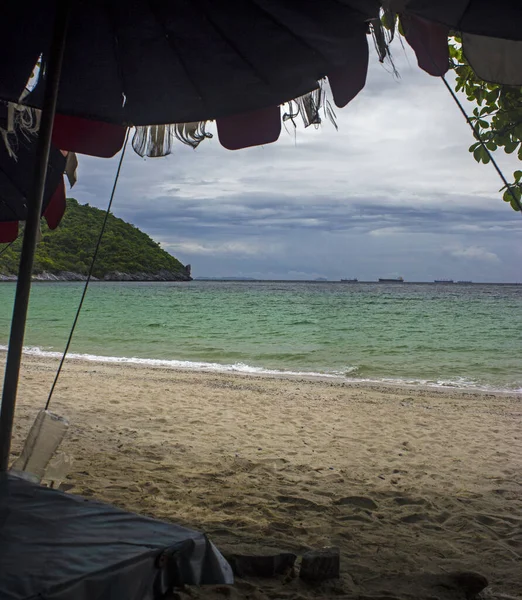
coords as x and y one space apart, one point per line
391 280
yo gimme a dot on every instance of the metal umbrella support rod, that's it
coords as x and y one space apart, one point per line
23 287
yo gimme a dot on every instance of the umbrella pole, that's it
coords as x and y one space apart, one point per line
34 209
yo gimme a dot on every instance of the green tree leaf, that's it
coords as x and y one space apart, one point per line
510 147
497 115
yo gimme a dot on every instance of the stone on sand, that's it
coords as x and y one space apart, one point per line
320 565
269 565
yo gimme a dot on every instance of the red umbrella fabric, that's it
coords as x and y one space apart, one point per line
85 136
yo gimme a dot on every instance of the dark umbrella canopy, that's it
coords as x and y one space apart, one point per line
144 62
493 18
152 62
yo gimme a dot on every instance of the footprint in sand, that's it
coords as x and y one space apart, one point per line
358 501
415 518
297 500
406 501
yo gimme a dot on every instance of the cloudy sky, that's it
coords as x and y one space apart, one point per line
393 192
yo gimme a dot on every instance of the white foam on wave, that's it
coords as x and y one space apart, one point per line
175 364
459 383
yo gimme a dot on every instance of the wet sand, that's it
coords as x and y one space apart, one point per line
410 483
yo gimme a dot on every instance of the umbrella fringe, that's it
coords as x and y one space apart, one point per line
383 32
308 107
6 139
192 134
152 141
20 119
157 140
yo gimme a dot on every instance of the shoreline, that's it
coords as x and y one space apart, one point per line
9 278
69 277
406 482
253 372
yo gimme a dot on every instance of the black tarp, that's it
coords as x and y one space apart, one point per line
56 546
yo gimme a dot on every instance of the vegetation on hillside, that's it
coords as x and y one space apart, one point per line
70 248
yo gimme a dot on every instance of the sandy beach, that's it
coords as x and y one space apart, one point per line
409 483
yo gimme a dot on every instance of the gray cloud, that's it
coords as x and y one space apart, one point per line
394 191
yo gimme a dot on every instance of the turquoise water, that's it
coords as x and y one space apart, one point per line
455 335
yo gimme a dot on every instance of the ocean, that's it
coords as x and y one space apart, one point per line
465 336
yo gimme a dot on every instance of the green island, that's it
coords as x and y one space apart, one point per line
125 254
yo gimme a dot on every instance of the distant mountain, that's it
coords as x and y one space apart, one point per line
126 253
224 279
